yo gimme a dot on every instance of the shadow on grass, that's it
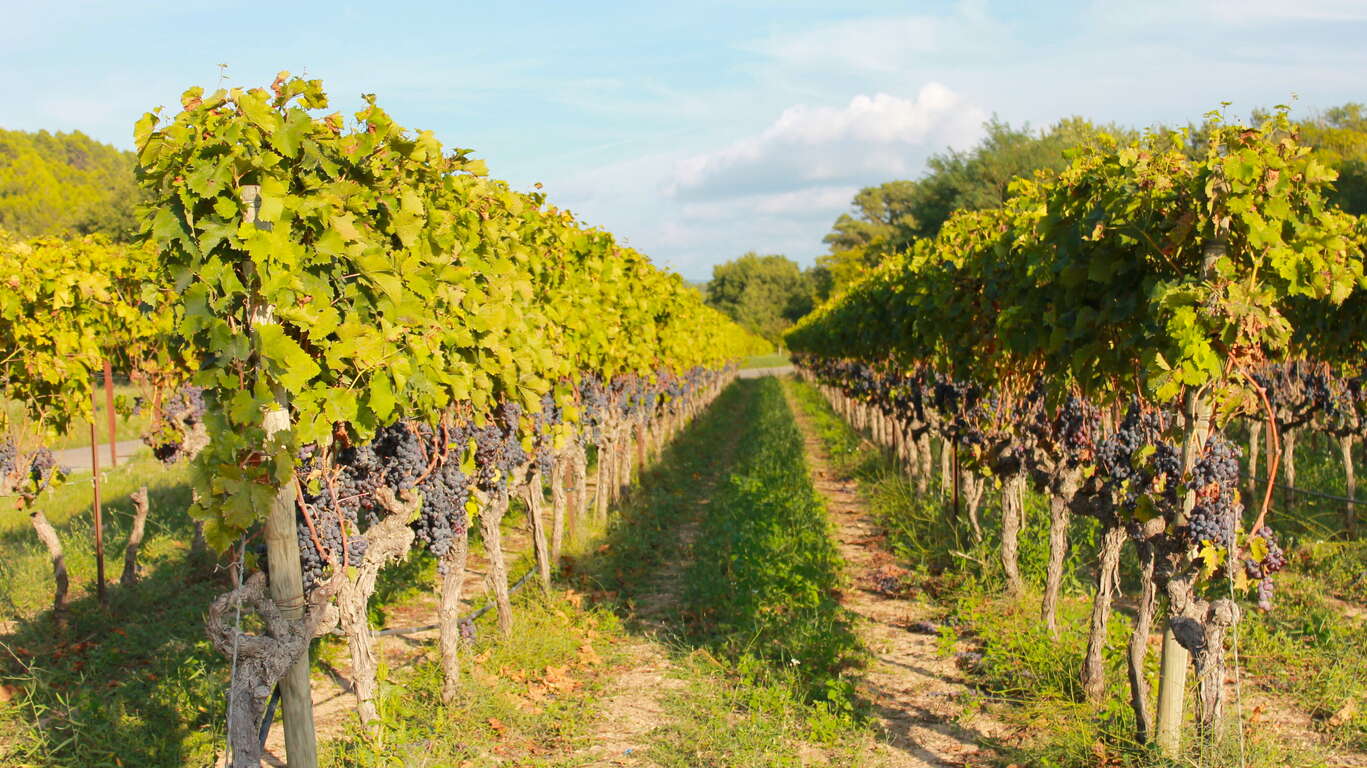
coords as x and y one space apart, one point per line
134 683
649 527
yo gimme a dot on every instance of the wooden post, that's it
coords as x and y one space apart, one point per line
1172 680
99 518
1351 486
109 412
282 555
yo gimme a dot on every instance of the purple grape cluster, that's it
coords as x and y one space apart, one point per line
42 466
1129 470
1215 481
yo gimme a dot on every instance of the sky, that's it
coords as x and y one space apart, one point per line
694 131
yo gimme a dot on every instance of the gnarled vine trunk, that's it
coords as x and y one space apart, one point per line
490 517
48 535
923 459
1107 581
1013 518
580 509
1350 516
973 496
1210 664
451 569
1139 644
559 472
261 660
1059 517
532 496
130 552
386 541
600 481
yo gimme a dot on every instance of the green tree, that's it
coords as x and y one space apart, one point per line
889 217
1339 136
764 294
65 184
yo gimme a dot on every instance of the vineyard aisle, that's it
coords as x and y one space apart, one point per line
916 691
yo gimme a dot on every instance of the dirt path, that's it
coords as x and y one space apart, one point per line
634 704
918 694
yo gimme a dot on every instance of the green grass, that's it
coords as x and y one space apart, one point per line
531 699
25 572
127 427
773 360
134 684
750 715
756 598
1304 649
765 571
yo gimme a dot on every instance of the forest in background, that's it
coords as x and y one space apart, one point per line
65 184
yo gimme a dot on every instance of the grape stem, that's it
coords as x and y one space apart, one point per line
1275 445
308 520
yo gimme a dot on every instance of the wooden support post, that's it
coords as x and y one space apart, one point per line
99 517
109 412
282 555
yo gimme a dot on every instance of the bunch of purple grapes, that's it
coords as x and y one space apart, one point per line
1215 481
1129 470
1075 427
1273 561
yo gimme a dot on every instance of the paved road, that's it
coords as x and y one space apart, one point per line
758 373
79 458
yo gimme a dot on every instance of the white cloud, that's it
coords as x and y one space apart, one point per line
880 136
800 203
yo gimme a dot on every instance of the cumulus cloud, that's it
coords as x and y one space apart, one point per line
875 137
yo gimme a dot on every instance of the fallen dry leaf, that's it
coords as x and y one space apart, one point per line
1346 712
588 656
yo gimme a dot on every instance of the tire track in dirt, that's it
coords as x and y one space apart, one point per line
917 694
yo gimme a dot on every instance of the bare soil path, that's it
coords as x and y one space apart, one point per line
918 694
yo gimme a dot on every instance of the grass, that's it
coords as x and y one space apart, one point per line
25 572
1302 651
530 699
748 714
773 360
756 597
134 684
127 427
765 570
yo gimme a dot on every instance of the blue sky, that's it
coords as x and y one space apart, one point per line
694 131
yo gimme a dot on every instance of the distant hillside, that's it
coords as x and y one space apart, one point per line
65 184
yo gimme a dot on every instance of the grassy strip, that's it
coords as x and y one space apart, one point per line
774 360
527 700
126 426
766 570
1303 648
756 597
